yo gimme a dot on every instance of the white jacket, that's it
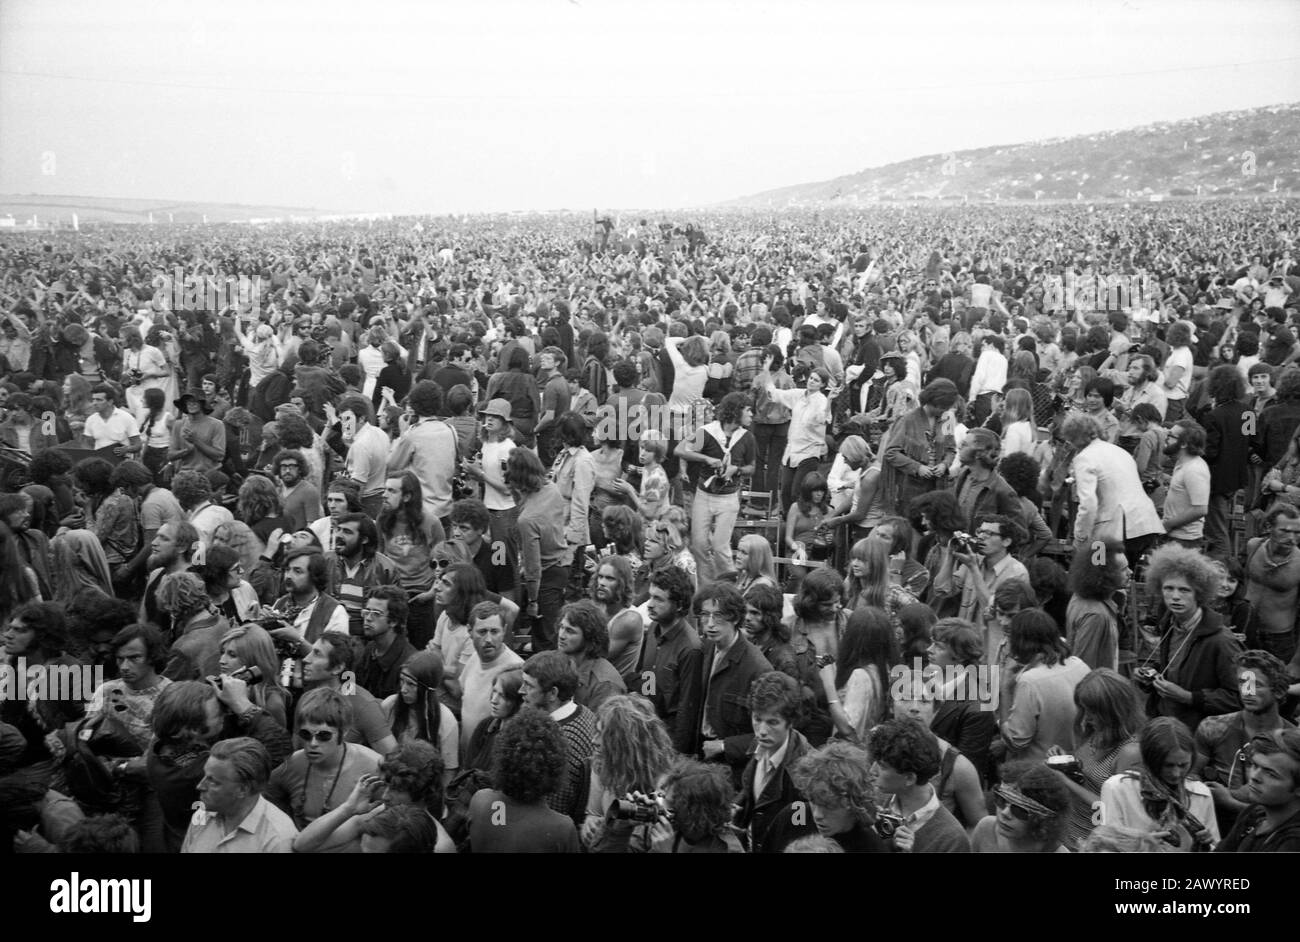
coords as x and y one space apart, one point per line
1113 507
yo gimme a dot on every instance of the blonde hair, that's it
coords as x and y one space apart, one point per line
1018 407
870 588
757 553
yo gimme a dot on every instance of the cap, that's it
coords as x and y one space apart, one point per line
498 407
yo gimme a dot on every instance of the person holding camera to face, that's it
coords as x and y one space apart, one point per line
983 562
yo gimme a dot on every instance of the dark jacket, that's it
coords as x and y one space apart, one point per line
757 813
675 661
1226 448
993 496
908 450
1207 670
725 698
967 727
795 820
1273 430
1242 838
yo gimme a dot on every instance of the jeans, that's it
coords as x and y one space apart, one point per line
769 440
550 599
791 478
713 517
1216 525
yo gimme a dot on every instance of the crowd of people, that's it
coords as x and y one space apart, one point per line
959 529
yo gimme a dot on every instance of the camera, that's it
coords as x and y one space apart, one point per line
963 542
249 675
886 824
1069 765
641 809
824 660
1145 677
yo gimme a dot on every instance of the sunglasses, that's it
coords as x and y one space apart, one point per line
325 735
1000 800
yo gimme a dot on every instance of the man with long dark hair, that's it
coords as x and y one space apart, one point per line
408 533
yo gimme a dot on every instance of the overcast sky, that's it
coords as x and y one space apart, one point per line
490 105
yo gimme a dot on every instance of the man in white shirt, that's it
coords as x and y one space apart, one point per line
236 819
108 426
491 657
367 451
1188 498
989 378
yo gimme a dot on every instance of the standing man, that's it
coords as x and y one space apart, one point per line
1188 495
984 571
367 457
428 449
110 427
549 684
198 440
1225 453
725 450
671 657
1113 505
298 496
1273 580
729 663
235 818
920 448
491 658
408 534
979 488
990 377
171 551
555 401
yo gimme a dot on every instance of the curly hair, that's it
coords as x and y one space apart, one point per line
1288 389
416 768
779 693
130 474
732 408
191 488
906 747
182 594
1036 781
1267 667
633 747
1089 581
942 509
292 456
294 431
257 500
50 463
528 758
700 797
407 829
94 475
676 584
101 834
838 775
1174 560
586 616
1021 472
425 398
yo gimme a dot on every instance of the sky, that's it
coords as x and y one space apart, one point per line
494 105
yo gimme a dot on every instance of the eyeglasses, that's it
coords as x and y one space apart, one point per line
440 562
324 735
1005 797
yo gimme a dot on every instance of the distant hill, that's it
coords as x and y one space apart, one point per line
1207 156
93 209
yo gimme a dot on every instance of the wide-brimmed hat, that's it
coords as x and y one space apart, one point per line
198 396
498 407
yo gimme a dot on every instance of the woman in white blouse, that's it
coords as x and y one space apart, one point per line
810 412
1017 423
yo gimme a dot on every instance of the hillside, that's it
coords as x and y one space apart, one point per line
1208 156
91 209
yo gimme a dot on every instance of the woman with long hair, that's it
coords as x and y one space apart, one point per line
1158 797
1017 423
1037 696
819 612
258 505
1094 618
804 535
632 752
155 430
505 700
871 583
415 712
456 590
1106 728
246 649
79 562
754 563
898 535
665 545
857 683
76 403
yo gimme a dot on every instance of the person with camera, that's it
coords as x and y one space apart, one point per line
984 563
308 609
410 777
1159 797
632 754
235 818
1191 673
905 759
